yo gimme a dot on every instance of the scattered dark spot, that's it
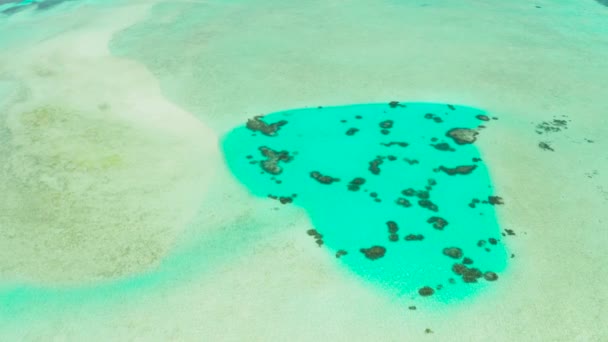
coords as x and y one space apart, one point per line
318 237
392 226
545 146
341 253
483 117
385 131
490 276
391 158
352 131
409 192
358 117
453 252
443 147
428 331
386 124
433 139
412 307
476 160
414 237
323 179
411 161
356 183
451 107
395 104
393 237
494 200
438 119
438 222
492 241
467 261
257 124
510 231
270 165
426 291
423 194
469 275
398 143
481 243
404 202
428 205
458 170
374 252
374 165
462 136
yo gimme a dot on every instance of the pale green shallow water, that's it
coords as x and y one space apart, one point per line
349 220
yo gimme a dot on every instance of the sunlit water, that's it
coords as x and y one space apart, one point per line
354 207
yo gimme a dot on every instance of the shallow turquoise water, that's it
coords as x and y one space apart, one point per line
349 220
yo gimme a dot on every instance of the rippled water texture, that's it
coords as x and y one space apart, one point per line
392 195
14 6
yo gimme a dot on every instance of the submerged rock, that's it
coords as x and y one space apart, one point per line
438 222
414 237
398 143
453 252
257 124
341 253
443 147
490 276
352 131
374 252
387 124
392 226
404 202
462 136
426 291
271 164
458 170
323 179
493 200
374 165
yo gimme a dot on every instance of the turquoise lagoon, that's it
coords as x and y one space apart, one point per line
352 208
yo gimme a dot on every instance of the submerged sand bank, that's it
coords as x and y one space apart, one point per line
99 172
522 63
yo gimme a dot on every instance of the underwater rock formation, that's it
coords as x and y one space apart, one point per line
458 170
438 222
453 252
374 165
316 175
271 164
257 124
374 252
462 136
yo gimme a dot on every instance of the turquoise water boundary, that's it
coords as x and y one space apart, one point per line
392 192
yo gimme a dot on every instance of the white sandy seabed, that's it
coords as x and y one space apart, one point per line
110 116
